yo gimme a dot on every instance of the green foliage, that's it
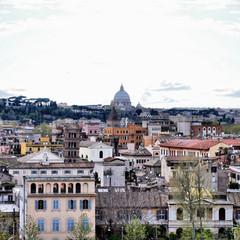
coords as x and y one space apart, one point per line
187 234
231 128
173 236
82 231
206 234
236 232
31 231
135 230
44 129
234 185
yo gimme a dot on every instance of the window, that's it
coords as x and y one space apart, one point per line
209 213
80 171
10 198
67 172
40 188
70 188
43 172
122 214
41 225
98 214
55 225
70 225
85 204
222 214
85 223
34 172
55 204
136 213
201 212
233 175
101 154
179 214
54 172
33 188
78 188
72 204
213 179
237 214
40 204
15 172
63 188
55 188
161 215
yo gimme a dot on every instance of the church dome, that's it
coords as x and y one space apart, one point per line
121 95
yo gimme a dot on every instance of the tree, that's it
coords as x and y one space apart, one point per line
31 231
44 129
83 230
6 226
135 230
202 185
190 187
236 232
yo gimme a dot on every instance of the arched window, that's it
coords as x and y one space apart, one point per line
179 214
70 225
101 154
78 188
55 188
63 188
222 214
33 188
179 232
40 188
70 188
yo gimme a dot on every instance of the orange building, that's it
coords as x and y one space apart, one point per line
130 134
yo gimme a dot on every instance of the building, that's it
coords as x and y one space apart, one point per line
94 151
71 143
56 203
192 148
90 127
132 133
111 172
31 147
44 181
217 216
46 163
138 158
158 124
184 123
115 207
121 100
205 130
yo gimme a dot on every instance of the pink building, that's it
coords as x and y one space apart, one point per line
4 149
90 127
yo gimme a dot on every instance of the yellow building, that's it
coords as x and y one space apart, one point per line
56 203
31 147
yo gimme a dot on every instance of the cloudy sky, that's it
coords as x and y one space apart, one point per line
176 53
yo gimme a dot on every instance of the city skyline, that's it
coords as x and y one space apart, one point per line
180 53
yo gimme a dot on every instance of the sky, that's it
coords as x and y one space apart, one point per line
176 53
